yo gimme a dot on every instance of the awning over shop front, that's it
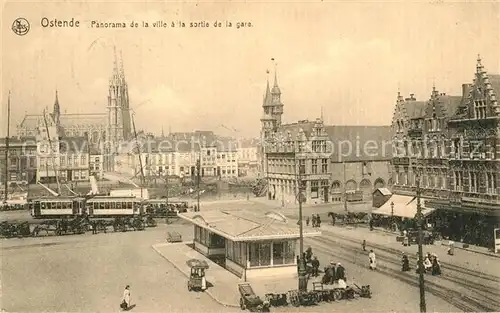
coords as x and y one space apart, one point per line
404 206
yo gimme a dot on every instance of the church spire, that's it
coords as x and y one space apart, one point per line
479 65
267 95
57 108
122 69
276 89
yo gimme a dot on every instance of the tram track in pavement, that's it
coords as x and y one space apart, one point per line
444 265
449 268
467 279
467 303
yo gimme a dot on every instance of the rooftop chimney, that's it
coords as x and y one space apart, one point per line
412 96
465 90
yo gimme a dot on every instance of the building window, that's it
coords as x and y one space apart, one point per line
314 189
236 252
260 254
314 166
479 109
324 166
458 180
491 182
473 181
83 160
302 166
283 252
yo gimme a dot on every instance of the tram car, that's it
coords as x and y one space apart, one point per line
53 207
107 206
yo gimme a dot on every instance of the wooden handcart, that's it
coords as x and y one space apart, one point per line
174 237
197 280
249 300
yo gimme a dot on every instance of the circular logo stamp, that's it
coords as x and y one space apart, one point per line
21 26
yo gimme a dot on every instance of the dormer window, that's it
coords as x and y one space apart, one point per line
479 109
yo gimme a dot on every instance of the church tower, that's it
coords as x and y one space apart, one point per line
272 116
118 123
56 112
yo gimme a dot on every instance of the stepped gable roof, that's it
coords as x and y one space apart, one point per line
495 83
415 109
360 143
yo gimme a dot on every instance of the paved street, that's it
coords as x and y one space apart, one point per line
87 273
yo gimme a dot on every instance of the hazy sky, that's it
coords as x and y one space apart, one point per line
347 58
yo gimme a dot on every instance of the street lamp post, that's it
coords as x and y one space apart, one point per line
198 176
392 215
302 265
345 190
419 216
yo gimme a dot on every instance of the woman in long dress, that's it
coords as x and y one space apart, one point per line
126 297
373 260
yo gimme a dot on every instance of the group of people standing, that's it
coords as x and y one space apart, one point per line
335 274
431 264
315 219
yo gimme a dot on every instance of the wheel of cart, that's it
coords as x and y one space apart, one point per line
337 294
323 294
293 298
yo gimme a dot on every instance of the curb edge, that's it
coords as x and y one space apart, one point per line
206 291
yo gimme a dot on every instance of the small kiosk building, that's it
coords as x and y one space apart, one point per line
249 244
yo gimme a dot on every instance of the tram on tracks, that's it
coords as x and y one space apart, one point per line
57 207
98 206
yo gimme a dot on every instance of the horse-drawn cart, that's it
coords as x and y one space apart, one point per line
249 300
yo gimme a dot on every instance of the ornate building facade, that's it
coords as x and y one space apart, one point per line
331 161
104 130
454 143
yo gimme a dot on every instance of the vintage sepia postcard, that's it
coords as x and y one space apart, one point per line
220 156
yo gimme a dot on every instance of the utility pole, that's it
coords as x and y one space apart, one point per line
420 219
52 153
345 188
7 151
302 261
198 177
140 155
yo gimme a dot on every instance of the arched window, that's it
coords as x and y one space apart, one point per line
336 186
379 183
351 185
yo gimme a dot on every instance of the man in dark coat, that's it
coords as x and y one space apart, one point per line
330 273
340 272
315 266
406 263
318 221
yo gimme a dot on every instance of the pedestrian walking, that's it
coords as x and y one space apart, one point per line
307 221
318 221
125 305
373 260
363 245
315 266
